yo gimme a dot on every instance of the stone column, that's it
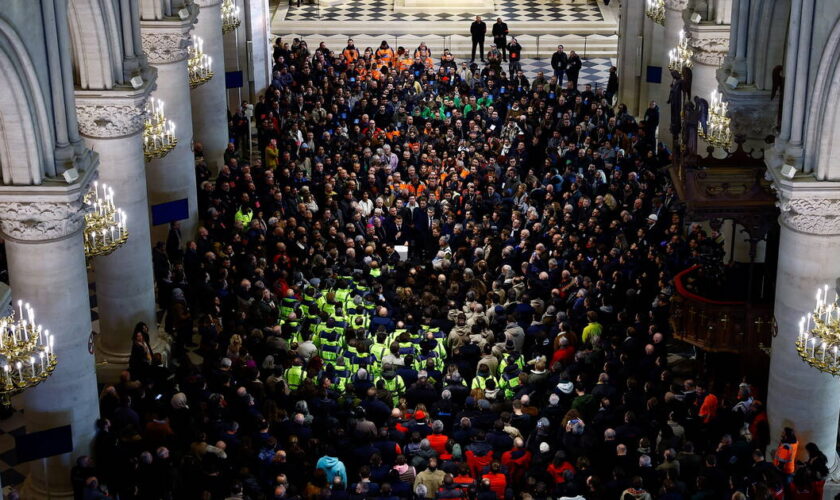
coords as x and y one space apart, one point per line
673 24
172 177
631 57
112 123
209 111
800 396
710 43
257 29
42 228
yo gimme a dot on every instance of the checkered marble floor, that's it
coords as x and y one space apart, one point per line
383 10
595 70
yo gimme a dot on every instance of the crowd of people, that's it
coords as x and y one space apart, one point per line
433 281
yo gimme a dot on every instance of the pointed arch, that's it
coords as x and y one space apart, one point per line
26 142
822 138
95 41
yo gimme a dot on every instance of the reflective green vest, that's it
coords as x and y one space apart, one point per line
294 377
480 382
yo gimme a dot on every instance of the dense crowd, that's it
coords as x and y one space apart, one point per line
437 281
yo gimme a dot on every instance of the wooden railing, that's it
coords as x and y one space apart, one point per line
718 326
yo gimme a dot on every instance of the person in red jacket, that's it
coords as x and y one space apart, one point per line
437 438
479 455
464 481
565 354
517 461
498 481
558 467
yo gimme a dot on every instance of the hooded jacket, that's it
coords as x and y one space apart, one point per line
332 466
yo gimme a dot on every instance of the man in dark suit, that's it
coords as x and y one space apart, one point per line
477 31
559 61
397 231
500 31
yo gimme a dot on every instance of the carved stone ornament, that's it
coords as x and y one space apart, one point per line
709 51
165 47
111 120
41 220
676 4
811 215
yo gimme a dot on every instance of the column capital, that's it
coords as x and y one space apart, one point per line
676 4
710 42
807 205
119 112
50 211
208 3
752 111
166 41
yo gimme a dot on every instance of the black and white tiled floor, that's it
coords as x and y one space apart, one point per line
383 10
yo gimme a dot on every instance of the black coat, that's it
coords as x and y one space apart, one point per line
500 30
478 29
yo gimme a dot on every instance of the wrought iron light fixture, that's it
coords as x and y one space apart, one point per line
199 64
230 16
159 133
26 353
105 225
679 57
719 127
819 334
655 10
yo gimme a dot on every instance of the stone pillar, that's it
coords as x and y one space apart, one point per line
42 228
236 59
209 111
631 57
258 32
710 43
172 177
752 111
799 396
112 123
673 25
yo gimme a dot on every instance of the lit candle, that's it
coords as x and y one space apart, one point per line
23 336
52 340
31 313
44 364
14 334
32 365
19 366
46 336
8 376
20 308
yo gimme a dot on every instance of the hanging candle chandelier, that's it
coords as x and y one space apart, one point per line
159 133
655 10
819 334
199 64
679 57
719 128
105 225
26 353
230 16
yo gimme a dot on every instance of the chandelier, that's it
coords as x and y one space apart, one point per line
105 228
718 129
656 11
199 64
159 133
679 57
26 353
230 16
819 335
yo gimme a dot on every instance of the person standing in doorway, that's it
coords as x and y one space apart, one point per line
559 61
500 31
477 31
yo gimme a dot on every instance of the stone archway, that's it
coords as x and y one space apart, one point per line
96 45
822 147
26 151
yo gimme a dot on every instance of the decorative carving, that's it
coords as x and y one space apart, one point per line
811 215
111 120
207 3
41 220
709 51
165 47
676 4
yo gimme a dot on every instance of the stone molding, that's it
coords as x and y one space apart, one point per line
162 47
676 4
709 51
108 121
811 215
208 3
41 220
